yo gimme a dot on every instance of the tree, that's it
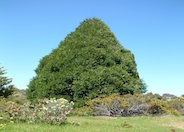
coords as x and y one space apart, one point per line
168 96
88 63
6 88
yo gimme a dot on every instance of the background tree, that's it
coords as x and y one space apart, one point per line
168 96
6 88
88 63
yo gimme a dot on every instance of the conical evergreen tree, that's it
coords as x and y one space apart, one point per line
6 88
88 63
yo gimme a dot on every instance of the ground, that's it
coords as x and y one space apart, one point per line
105 124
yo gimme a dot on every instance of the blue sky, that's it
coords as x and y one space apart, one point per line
153 30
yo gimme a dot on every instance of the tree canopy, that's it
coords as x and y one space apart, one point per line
6 88
88 63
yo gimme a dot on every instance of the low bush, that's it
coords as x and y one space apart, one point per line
177 104
82 111
116 105
52 111
156 107
18 96
137 104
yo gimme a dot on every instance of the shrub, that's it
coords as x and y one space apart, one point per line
137 104
178 104
18 96
103 105
52 111
168 96
156 107
82 111
116 105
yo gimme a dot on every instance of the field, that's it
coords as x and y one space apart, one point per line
105 124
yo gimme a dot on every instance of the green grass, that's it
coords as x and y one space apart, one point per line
104 124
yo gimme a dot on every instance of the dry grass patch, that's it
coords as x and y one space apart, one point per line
172 121
175 125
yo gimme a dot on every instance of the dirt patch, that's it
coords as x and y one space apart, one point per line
175 124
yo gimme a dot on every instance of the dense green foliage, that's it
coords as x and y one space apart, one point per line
6 88
88 63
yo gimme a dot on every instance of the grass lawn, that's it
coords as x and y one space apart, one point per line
104 124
